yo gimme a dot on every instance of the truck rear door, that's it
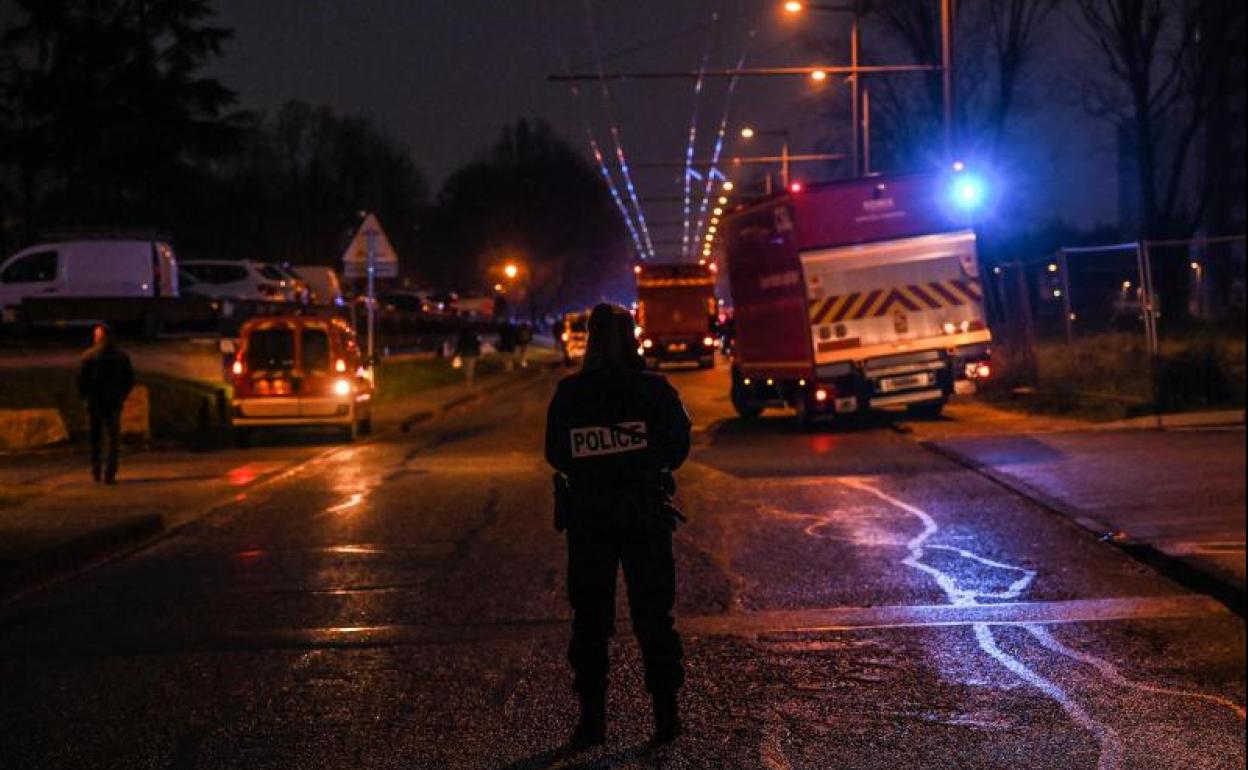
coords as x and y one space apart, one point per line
907 295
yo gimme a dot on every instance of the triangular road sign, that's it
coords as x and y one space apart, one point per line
355 257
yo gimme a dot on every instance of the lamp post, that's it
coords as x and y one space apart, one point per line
854 9
749 132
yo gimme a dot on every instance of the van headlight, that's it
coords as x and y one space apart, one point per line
342 387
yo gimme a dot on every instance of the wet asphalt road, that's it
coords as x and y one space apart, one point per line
848 598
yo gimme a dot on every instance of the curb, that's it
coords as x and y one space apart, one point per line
78 555
1227 418
1176 569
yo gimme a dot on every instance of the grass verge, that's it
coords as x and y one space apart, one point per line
1109 376
179 407
396 379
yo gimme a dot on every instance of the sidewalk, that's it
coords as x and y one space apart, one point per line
55 521
1173 496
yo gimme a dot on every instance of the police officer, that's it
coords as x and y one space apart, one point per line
617 432
104 380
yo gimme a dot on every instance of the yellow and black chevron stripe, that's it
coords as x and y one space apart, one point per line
932 295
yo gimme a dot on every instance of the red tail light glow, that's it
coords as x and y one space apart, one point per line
821 394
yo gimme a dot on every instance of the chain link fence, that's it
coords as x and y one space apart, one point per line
1127 328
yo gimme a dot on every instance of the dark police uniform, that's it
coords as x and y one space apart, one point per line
612 431
104 380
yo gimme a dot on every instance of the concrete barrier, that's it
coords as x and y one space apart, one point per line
31 428
136 415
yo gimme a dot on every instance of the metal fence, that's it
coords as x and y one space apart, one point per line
1144 326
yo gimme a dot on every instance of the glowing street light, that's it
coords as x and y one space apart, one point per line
728 186
747 133
510 270
792 6
818 75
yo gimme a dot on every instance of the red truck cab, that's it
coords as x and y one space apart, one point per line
676 313
854 295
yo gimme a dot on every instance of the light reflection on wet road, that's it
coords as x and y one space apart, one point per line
849 600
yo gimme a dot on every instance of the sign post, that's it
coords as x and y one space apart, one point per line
371 236
370 256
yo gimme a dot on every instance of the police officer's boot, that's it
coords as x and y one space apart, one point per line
591 728
666 718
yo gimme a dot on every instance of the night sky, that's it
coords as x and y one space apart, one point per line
444 77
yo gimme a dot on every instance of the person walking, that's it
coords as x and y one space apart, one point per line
105 378
468 350
507 344
524 336
614 434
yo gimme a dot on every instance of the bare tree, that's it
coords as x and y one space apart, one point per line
1156 89
987 87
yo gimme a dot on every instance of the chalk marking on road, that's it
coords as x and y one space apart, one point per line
352 501
1107 738
1111 673
1110 744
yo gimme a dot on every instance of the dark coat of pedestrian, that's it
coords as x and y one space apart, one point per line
105 379
615 433
468 350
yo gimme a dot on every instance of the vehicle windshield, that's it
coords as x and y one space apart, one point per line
271 349
315 350
578 325
272 273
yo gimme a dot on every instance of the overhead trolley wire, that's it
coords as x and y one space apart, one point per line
709 188
595 150
690 146
615 132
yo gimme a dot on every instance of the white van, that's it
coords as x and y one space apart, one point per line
106 268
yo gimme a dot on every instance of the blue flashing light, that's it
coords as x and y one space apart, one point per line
968 192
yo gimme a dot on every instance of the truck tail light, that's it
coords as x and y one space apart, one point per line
342 387
563 337
340 365
647 344
238 367
821 394
708 342
983 370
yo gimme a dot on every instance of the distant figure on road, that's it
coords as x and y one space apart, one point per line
507 343
615 433
468 350
524 337
104 380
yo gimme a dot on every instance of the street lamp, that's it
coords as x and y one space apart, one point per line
511 271
854 7
749 132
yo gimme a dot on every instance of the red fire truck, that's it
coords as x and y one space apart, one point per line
676 312
855 295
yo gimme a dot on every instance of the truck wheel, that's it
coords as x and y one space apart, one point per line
366 425
927 410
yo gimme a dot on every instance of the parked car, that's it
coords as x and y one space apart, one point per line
405 302
300 370
99 267
323 282
237 279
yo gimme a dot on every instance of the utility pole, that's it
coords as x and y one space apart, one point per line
855 40
946 70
